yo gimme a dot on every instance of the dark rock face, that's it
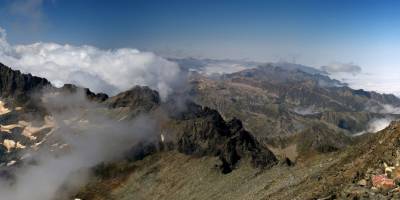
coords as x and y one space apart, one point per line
14 83
99 97
241 144
202 131
194 130
141 150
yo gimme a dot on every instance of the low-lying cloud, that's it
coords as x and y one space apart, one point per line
311 110
387 108
223 68
211 67
376 125
91 138
384 109
337 67
108 71
355 77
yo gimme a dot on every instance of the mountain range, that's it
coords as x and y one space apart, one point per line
263 132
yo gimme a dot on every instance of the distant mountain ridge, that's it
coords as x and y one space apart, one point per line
278 105
226 66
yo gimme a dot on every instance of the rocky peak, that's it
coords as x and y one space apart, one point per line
16 84
137 97
99 97
202 131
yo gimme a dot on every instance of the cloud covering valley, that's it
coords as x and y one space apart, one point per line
108 71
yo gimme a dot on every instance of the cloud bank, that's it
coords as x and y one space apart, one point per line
108 71
211 67
311 110
223 68
337 67
91 138
384 109
355 77
376 125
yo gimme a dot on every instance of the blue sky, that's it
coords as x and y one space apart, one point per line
313 32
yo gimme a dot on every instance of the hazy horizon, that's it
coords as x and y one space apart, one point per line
344 35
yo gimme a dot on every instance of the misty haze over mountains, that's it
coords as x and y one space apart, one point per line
348 73
91 67
293 112
213 100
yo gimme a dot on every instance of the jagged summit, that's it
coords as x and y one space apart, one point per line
138 96
71 88
202 131
15 83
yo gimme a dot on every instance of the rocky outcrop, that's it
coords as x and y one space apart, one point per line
138 98
98 97
193 129
202 131
243 144
16 84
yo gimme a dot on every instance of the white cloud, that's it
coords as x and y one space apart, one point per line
383 83
338 67
387 108
108 71
379 80
384 109
223 68
101 140
376 125
211 67
306 110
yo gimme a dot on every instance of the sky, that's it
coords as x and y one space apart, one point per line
311 32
